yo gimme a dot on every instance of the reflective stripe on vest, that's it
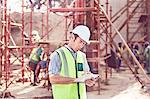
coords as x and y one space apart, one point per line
68 68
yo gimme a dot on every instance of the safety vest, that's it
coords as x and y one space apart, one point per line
70 68
35 55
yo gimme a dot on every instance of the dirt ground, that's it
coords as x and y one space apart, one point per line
121 85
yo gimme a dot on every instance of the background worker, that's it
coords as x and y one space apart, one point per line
43 64
136 52
147 57
118 58
34 59
67 64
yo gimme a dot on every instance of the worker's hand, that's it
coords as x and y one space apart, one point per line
90 82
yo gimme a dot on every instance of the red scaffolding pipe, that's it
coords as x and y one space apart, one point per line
77 9
43 25
31 14
5 40
23 43
106 44
8 43
47 19
99 46
80 17
110 34
6 24
1 50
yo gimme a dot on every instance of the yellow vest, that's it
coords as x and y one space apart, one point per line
70 68
34 55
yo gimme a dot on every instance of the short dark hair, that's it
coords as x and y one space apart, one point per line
136 47
75 35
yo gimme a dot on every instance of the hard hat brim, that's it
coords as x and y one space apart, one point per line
88 42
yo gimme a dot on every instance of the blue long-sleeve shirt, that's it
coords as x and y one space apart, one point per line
55 62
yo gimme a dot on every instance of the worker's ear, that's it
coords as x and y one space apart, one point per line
72 37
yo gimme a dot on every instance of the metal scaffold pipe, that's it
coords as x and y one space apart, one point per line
23 43
124 42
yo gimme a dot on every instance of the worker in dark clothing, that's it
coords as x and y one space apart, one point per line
118 58
147 57
137 55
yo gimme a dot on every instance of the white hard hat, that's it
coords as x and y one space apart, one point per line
35 36
83 32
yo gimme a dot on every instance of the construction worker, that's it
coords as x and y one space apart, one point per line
118 58
35 36
34 59
43 64
132 48
137 55
68 64
147 57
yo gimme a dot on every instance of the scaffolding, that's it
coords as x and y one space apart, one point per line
91 13
134 12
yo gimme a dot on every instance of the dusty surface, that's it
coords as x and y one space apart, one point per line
121 85
26 91
117 83
133 92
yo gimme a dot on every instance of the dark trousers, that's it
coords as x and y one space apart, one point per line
118 64
33 66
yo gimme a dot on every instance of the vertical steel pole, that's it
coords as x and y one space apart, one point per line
8 43
31 14
47 19
5 39
23 42
106 44
99 46
43 25
81 15
127 36
1 50
110 36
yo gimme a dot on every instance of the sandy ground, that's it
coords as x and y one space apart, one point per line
121 85
26 91
134 92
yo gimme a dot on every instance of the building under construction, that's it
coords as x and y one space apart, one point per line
110 22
